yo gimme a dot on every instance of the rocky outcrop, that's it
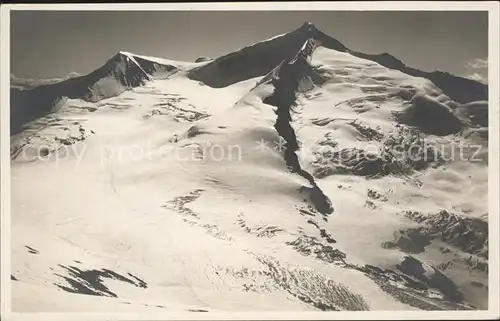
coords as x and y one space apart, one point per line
202 59
466 233
430 276
288 79
401 153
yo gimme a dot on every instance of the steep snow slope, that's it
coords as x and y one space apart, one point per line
178 196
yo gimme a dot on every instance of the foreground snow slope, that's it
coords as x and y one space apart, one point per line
175 196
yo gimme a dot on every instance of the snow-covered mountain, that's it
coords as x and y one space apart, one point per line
293 174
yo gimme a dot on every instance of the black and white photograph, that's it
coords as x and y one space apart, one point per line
198 160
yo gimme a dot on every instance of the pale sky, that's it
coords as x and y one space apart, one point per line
48 44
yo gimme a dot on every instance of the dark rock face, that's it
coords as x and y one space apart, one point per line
467 233
477 112
430 276
402 152
368 167
409 241
90 282
430 116
286 82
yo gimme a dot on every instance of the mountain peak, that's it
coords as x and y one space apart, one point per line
125 53
308 26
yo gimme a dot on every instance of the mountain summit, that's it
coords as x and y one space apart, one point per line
262 57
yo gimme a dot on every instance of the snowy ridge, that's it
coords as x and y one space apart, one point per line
181 65
121 72
305 51
129 56
239 65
